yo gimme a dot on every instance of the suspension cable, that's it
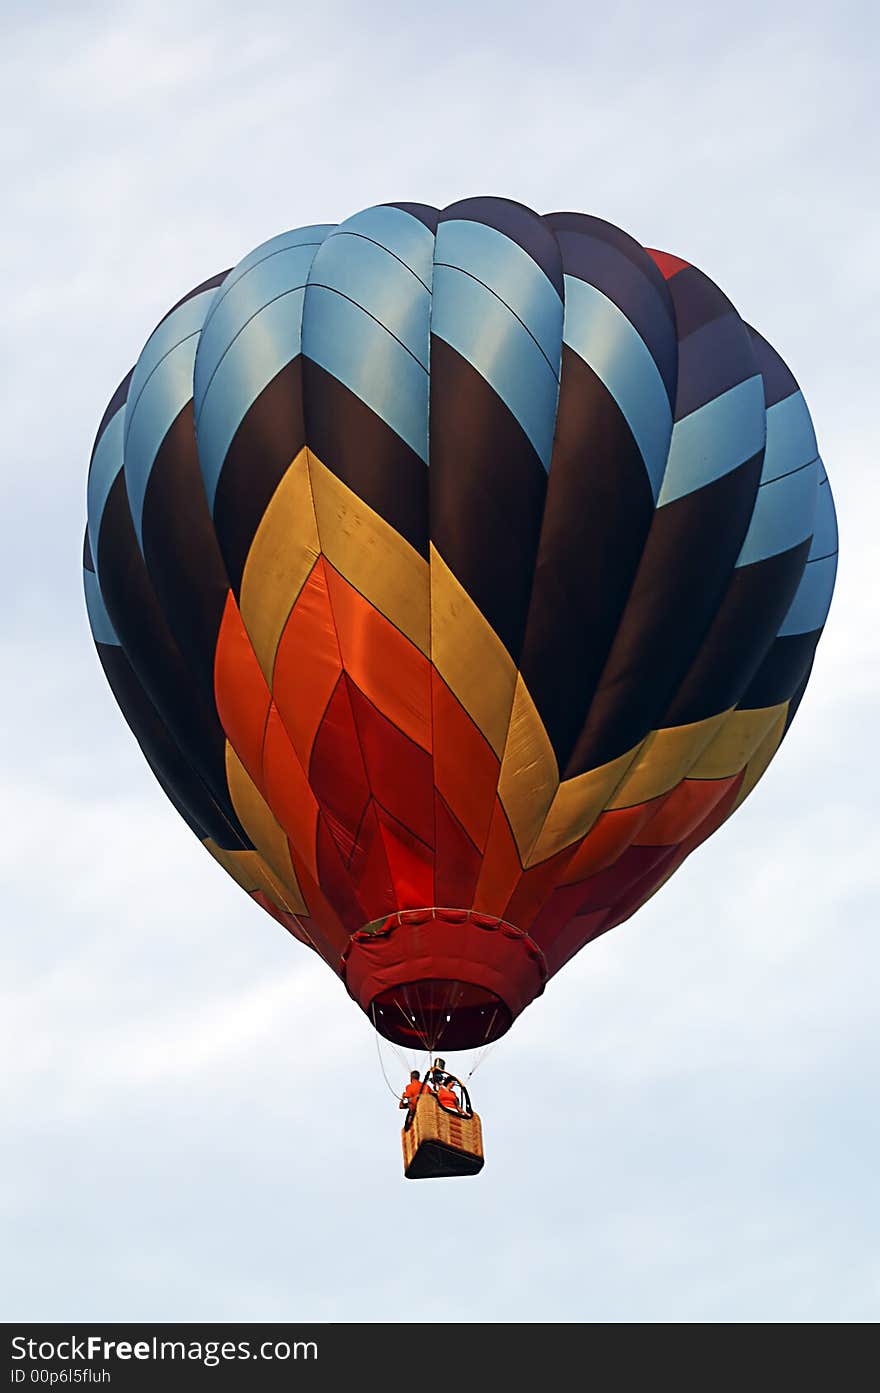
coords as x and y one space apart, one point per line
411 1024
445 1013
381 1061
485 1051
487 1045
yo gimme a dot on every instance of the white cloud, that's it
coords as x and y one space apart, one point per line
684 1126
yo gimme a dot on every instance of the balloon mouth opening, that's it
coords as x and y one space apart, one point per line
440 1014
443 978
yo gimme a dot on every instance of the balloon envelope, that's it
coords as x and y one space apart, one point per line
459 572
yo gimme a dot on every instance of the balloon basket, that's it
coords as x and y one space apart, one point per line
438 1143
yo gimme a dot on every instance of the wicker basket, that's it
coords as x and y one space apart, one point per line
438 1143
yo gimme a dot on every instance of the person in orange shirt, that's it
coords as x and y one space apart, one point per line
414 1091
446 1097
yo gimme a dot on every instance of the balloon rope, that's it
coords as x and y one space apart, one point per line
446 1011
381 1061
411 1022
429 1044
405 1062
421 1028
487 1046
485 1051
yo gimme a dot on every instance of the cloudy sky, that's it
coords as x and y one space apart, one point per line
685 1126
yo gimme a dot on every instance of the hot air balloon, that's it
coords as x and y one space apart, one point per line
458 572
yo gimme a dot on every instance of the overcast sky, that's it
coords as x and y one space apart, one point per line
685 1126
